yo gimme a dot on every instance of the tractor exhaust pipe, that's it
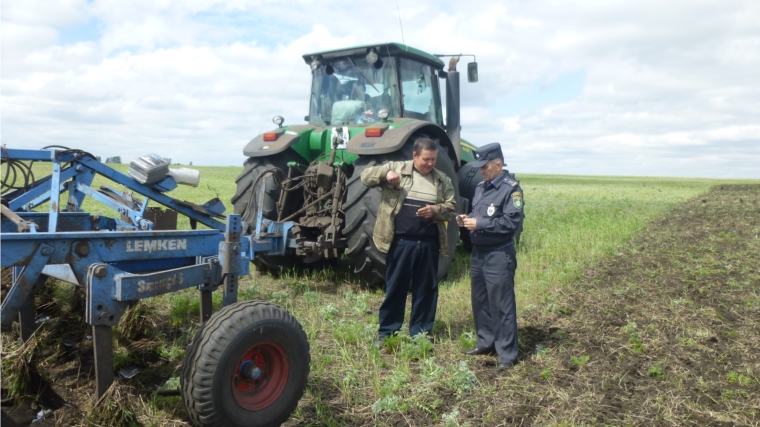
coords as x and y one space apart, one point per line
453 124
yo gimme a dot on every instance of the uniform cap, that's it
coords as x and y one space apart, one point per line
485 153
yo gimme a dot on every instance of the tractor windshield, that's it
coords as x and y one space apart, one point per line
349 90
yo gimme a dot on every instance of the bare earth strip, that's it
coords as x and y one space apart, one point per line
665 333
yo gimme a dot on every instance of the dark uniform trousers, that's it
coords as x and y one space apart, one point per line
492 273
412 262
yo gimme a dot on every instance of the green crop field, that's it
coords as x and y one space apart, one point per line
575 227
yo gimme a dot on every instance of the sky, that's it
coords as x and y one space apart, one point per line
633 88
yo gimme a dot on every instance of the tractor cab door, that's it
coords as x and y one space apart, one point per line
419 86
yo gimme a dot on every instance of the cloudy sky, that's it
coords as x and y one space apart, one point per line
584 87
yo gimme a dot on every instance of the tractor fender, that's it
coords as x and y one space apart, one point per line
395 138
257 147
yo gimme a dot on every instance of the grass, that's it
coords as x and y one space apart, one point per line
572 224
572 221
579 361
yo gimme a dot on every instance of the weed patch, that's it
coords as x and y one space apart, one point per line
114 407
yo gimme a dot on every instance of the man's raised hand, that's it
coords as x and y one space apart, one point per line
393 179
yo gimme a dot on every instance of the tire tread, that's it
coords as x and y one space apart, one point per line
205 349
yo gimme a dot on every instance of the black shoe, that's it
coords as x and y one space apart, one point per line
476 351
502 367
379 343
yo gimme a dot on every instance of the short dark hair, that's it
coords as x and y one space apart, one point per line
425 143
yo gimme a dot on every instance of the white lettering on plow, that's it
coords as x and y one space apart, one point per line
160 285
156 245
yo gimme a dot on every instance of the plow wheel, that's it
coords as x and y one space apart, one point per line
254 168
361 213
246 366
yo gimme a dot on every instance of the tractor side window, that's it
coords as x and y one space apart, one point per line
349 91
417 86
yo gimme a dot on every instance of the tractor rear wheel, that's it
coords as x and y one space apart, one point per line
243 202
361 213
246 366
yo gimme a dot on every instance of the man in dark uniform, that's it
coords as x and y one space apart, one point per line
496 214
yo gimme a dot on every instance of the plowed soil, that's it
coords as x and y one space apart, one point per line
668 328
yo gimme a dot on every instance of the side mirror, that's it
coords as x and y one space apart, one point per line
472 72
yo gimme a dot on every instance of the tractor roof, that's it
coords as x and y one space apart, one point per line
382 48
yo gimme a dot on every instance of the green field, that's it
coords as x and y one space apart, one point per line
573 223
571 220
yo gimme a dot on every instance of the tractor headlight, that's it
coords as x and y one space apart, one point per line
278 120
383 114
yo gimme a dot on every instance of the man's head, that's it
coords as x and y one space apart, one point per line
491 169
424 153
490 160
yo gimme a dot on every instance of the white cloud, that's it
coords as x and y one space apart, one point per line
511 124
44 12
667 86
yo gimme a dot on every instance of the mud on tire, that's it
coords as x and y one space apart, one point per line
214 388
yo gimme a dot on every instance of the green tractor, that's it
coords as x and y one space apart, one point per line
368 105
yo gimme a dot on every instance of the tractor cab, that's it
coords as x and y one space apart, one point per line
370 83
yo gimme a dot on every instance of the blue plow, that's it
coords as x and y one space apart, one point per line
121 259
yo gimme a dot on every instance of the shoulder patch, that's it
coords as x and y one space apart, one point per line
517 199
511 182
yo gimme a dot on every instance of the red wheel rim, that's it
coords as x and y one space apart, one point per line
257 394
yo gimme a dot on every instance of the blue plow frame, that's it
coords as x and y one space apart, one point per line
117 262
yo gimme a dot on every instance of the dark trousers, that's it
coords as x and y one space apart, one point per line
412 262
493 300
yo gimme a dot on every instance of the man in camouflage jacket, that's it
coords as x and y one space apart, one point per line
417 201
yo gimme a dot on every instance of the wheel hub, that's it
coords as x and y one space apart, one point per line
260 376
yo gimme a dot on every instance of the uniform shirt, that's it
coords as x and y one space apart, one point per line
498 208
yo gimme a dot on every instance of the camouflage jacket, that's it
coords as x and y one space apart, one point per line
392 199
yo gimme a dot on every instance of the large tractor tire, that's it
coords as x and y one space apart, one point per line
361 213
254 167
469 178
246 366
